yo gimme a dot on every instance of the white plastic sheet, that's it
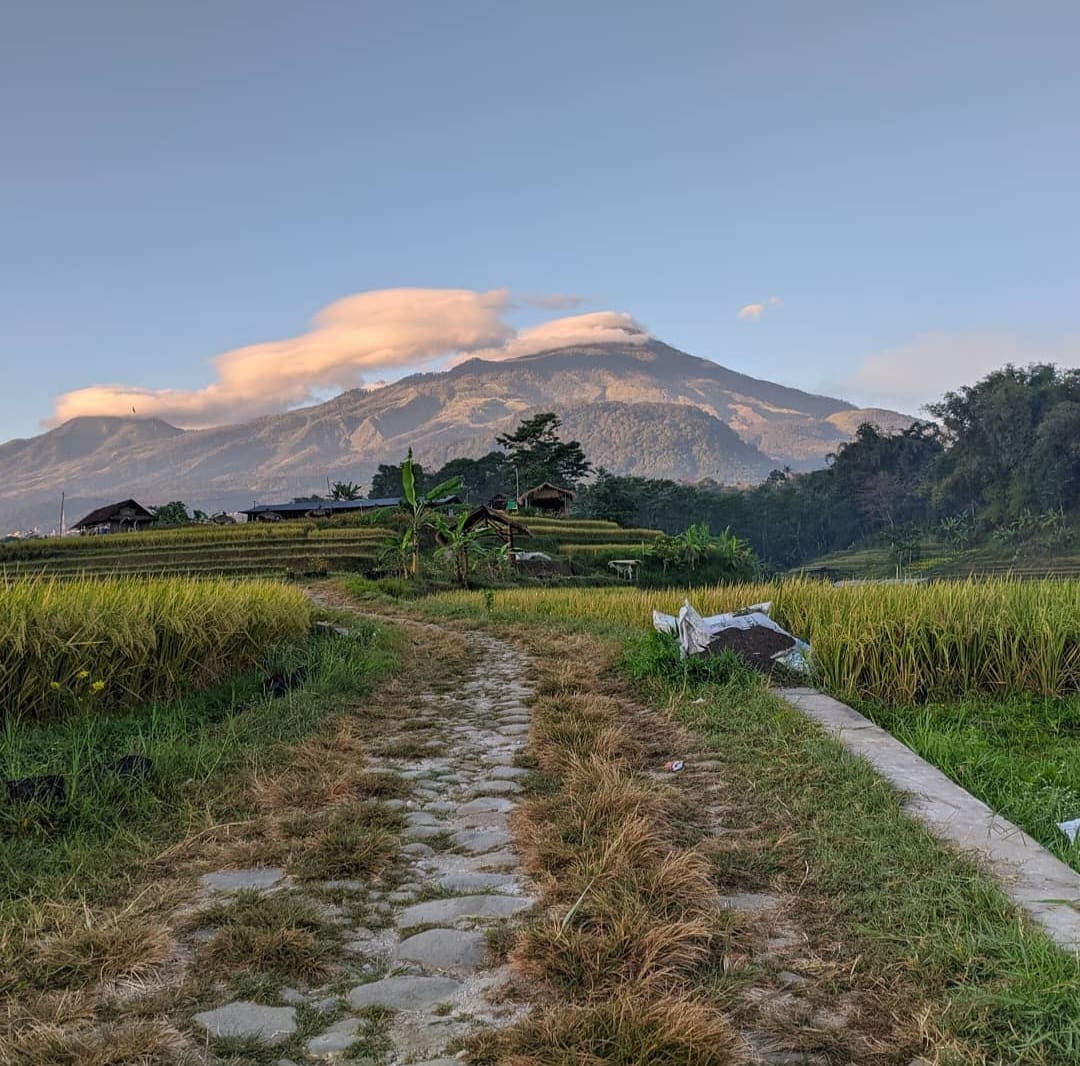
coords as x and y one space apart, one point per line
696 633
1070 828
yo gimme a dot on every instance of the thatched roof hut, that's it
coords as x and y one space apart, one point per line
547 497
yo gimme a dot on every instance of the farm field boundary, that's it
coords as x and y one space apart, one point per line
1033 878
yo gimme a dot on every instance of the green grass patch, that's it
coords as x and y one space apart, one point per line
1021 756
911 909
200 750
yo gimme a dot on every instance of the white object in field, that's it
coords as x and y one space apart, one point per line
532 557
696 633
1070 828
624 568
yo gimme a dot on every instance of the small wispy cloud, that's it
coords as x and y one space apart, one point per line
553 301
752 312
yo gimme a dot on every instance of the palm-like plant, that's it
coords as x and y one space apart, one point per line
461 543
418 504
344 490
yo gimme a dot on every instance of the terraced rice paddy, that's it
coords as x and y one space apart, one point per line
66 646
279 550
233 551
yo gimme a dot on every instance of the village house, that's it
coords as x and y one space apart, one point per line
127 516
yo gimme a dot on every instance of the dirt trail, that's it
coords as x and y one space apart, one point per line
420 948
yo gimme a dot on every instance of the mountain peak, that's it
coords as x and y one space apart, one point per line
642 407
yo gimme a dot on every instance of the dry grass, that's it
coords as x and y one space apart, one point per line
631 921
140 1042
110 976
100 948
350 840
279 934
633 1028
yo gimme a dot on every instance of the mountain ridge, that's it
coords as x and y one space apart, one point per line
645 408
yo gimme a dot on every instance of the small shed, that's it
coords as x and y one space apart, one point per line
497 522
124 517
547 497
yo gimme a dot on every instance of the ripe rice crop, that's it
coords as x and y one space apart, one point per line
888 643
603 551
116 642
185 536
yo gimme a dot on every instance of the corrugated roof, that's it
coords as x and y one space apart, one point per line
336 505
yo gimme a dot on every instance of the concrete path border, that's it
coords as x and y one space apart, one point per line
1032 878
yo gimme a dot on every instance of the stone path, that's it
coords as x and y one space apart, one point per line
418 947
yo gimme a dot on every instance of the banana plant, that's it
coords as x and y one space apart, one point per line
418 504
461 543
397 551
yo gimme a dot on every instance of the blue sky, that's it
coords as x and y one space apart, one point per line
182 180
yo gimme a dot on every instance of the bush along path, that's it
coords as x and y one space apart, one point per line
420 969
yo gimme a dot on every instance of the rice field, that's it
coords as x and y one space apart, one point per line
117 642
894 644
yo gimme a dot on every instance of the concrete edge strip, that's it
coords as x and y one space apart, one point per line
1047 889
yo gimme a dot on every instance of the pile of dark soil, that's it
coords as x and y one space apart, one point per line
755 646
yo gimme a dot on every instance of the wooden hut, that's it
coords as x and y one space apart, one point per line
552 499
124 517
497 522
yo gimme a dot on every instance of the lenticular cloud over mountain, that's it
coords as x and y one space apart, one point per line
366 333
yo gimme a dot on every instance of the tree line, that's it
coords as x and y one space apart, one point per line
1001 459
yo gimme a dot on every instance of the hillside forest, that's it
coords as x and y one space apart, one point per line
999 461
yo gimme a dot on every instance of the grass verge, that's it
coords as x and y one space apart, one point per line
883 944
961 969
1021 756
96 920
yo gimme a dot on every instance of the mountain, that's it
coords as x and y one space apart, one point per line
646 409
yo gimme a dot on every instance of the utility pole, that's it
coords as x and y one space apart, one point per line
61 512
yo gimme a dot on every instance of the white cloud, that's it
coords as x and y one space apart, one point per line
364 333
752 312
932 364
596 327
553 301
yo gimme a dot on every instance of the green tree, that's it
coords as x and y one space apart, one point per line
344 490
387 482
999 458
418 504
480 478
172 514
609 499
539 455
464 546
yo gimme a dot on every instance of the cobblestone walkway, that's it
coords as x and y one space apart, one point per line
419 948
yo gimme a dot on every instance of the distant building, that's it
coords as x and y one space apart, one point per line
274 512
547 497
127 516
